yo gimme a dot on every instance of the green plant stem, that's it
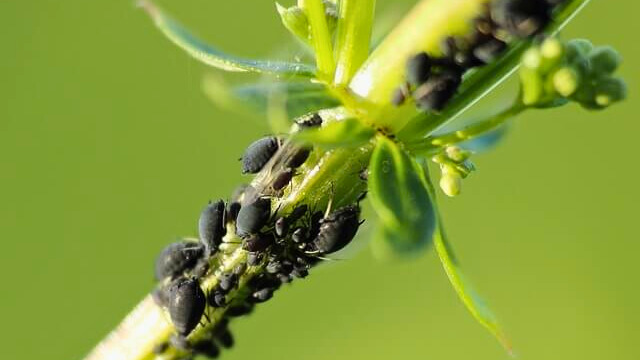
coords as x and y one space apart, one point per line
354 35
320 38
433 144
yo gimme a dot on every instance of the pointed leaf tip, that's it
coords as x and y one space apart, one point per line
471 300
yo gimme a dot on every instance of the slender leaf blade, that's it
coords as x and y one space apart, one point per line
399 195
471 300
211 56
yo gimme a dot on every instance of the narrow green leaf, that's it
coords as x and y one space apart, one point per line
211 56
399 195
354 35
320 38
473 302
345 133
297 98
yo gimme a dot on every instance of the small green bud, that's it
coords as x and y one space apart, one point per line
532 86
604 60
532 58
552 52
457 154
566 81
295 20
578 48
451 182
610 90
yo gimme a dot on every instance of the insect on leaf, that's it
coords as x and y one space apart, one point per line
399 195
349 132
471 300
211 56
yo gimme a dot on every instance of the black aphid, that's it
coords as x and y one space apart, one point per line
253 216
337 229
239 310
399 95
262 295
206 347
186 305
228 281
284 278
436 93
160 347
274 266
488 51
299 235
217 299
177 258
418 69
258 154
224 337
254 258
201 268
211 226
282 179
281 226
300 272
522 18
298 158
257 242
311 120
232 211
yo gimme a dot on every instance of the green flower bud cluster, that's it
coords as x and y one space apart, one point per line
295 20
455 165
553 72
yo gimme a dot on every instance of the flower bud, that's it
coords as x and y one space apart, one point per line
566 81
604 60
451 183
610 90
295 20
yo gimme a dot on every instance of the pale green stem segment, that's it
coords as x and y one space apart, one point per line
320 38
355 23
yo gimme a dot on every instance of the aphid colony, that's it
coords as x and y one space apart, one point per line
431 81
283 245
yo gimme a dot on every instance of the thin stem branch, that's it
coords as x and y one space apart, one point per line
433 144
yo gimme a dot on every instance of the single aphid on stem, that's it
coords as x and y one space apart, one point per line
361 123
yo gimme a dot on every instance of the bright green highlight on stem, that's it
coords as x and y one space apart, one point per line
354 35
320 38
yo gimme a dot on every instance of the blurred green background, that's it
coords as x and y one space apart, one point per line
109 149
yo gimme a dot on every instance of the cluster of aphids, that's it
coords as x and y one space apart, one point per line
432 81
283 246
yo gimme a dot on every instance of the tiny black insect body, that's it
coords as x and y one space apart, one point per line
299 156
257 154
337 229
262 295
186 305
217 299
258 242
308 121
211 226
228 281
253 216
282 179
177 258
437 91
418 69
522 18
